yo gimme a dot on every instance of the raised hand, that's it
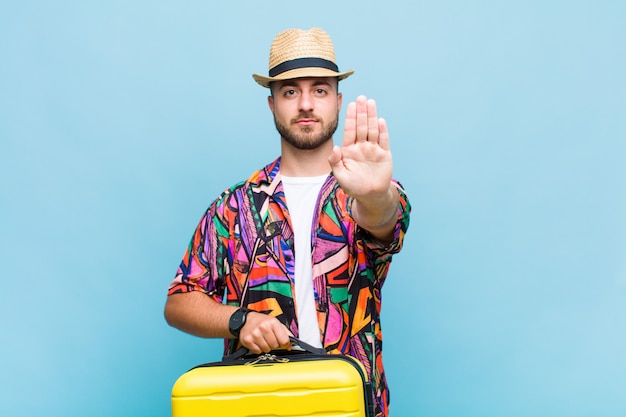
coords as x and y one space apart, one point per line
363 168
363 164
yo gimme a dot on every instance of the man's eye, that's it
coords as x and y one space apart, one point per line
321 91
290 92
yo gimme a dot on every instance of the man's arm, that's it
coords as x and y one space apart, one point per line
378 216
363 167
198 314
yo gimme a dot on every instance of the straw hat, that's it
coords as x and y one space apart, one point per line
297 53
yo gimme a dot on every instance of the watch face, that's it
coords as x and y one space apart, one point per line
237 321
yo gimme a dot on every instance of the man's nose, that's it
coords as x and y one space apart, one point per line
306 102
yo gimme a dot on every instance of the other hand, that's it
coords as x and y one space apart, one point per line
264 333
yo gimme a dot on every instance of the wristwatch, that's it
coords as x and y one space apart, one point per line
237 321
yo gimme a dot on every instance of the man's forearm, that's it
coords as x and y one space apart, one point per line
196 313
199 315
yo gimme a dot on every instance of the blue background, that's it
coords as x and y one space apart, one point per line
121 120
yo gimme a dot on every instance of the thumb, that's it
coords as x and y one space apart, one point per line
335 158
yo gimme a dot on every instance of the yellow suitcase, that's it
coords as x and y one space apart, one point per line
280 384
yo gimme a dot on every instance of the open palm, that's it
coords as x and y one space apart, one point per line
363 164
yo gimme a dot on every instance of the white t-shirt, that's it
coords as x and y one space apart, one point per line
301 194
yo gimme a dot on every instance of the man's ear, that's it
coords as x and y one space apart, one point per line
270 102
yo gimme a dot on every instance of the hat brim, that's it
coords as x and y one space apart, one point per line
301 73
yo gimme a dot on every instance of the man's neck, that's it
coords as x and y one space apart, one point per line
305 163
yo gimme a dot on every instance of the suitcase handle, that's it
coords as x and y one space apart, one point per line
297 343
297 346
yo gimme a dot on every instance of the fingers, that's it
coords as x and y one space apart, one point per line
362 122
372 122
383 138
349 127
263 333
362 119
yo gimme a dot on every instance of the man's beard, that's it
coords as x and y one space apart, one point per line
303 138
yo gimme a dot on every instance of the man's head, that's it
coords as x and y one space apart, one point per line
303 81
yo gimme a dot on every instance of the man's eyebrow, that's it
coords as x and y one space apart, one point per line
322 82
289 84
295 83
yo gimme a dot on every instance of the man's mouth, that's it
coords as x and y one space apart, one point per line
306 122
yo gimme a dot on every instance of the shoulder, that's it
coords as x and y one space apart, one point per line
238 193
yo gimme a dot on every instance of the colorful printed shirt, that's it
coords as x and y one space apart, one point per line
242 254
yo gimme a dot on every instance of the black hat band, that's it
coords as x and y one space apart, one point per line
303 63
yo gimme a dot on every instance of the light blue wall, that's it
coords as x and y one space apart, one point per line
121 120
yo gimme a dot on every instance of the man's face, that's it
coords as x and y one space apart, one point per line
306 110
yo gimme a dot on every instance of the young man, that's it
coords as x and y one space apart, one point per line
304 245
